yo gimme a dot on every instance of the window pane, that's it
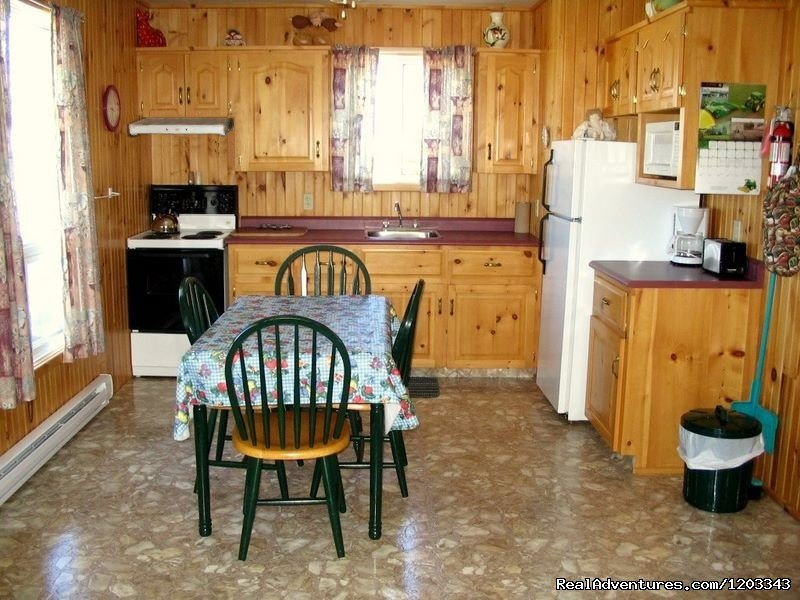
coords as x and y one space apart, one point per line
398 118
34 139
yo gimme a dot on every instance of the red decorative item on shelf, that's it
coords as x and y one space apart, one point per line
146 35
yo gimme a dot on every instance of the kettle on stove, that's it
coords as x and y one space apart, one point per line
164 223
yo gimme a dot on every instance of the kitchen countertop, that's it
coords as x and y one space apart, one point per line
347 230
663 274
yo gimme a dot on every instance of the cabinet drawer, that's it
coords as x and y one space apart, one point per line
610 303
262 259
492 262
401 261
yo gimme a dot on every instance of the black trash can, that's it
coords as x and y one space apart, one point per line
733 435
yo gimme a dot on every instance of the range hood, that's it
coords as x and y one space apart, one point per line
182 126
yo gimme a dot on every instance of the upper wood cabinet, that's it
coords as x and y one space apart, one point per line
679 49
281 109
620 95
183 84
660 63
506 97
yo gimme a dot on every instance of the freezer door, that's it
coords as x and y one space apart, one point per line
563 182
557 310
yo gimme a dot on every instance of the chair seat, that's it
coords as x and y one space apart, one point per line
303 452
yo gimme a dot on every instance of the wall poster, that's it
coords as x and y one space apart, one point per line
731 127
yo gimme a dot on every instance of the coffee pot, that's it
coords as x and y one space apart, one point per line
690 227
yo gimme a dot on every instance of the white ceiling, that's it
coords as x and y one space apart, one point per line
515 4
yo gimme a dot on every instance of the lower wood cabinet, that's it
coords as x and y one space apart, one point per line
606 359
656 353
479 308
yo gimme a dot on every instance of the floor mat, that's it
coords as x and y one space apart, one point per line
423 387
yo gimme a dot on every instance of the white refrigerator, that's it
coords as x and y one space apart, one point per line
594 211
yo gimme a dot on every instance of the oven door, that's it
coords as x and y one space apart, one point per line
154 276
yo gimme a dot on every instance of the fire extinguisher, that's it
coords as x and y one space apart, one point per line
780 144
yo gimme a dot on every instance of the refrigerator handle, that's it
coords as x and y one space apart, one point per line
545 203
540 253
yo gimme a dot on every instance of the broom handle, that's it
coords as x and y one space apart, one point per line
755 388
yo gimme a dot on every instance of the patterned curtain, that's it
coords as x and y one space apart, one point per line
353 118
16 357
83 315
447 131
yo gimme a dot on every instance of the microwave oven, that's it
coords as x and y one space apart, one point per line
662 148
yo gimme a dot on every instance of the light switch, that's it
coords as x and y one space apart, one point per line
308 201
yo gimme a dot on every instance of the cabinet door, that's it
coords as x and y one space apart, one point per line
603 381
206 93
621 76
505 97
490 326
661 64
282 112
161 84
427 337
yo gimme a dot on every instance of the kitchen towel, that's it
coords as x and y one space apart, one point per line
522 217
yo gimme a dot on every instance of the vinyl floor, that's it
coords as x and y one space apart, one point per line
506 500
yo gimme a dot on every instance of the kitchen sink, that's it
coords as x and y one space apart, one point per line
404 233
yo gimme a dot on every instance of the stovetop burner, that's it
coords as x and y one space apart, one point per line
202 235
158 235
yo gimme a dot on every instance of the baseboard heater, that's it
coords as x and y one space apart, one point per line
27 456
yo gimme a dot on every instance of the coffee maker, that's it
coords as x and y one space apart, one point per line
690 228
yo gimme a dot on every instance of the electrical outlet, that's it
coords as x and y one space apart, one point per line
736 232
308 201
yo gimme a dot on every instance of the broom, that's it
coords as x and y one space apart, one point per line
781 236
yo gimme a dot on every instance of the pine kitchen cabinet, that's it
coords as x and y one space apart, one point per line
677 51
280 108
183 84
665 340
620 64
479 307
505 119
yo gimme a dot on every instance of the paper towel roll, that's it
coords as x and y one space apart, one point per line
522 217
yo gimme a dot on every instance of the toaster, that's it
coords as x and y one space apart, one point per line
725 257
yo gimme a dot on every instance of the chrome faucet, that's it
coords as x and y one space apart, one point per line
399 213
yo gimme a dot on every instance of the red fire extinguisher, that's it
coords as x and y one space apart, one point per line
780 144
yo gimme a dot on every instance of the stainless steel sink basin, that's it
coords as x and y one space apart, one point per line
405 233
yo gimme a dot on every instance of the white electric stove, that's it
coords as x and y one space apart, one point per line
158 262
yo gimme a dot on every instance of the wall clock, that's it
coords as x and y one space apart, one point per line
111 108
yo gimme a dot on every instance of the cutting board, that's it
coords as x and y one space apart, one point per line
256 232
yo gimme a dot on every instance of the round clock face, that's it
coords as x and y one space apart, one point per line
111 108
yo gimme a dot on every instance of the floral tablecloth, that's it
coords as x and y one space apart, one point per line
364 323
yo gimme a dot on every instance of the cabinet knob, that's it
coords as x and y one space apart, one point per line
266 263
188 95
615 366
180 95
490 152
317 148
492 264
439 305
452 302
605 301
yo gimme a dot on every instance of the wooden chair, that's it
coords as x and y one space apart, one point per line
271 422
322 270
402 353
198 313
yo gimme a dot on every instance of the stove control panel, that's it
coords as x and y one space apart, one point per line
194 199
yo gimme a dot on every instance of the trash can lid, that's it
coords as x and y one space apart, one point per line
720 422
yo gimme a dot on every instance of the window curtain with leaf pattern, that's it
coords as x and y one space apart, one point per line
352 149
17 382
447 130
83 327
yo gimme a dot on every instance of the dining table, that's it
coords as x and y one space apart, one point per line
365 324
